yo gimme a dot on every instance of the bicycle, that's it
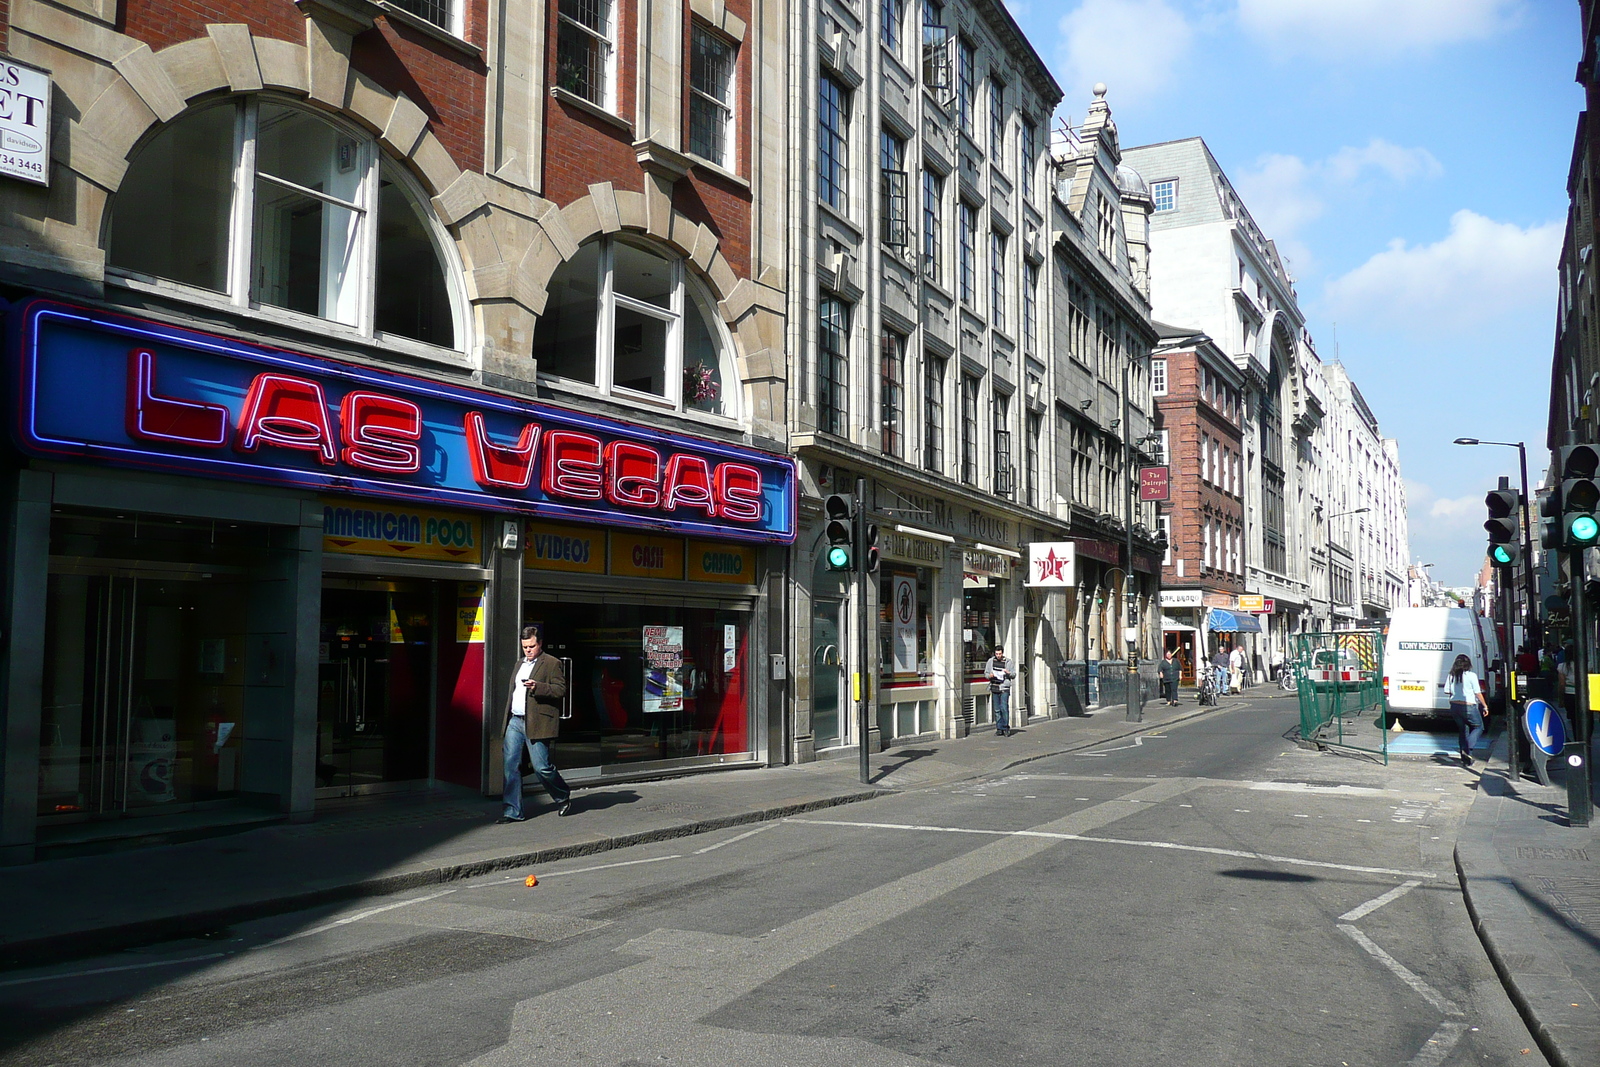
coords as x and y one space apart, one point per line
1286 680
1208 690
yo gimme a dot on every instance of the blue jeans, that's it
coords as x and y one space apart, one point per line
539 753
1221 675
1469 724
1001 701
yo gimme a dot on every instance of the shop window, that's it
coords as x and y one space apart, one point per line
585 54
905 626
711 64
979 620
632 323
323 225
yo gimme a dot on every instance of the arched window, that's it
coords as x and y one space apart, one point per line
632 323
274 206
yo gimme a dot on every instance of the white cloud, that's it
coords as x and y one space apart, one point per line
1465 507
1479 271
1284 193
1367 26
1134 46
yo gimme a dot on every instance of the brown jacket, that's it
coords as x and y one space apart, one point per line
549 686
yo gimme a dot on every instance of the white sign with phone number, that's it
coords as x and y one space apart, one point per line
24 123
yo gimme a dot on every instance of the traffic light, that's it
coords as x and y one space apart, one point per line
870 547
1580 496
1503 526
1550 518
840 532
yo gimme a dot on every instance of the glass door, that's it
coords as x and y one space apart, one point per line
374 685
828 664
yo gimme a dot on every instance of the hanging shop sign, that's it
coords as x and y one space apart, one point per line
408 533
1052 565
1154 483
1252 602
97 386
24 122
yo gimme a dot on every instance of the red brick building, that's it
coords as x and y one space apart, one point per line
346 338
1200 414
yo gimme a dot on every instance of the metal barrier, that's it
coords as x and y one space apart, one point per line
1340 686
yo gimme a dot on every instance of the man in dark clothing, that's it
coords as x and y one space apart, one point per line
1219 668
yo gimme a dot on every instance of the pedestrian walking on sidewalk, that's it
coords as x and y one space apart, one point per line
533 719
1171 670
1219 669
999 672
1466 698
1236 669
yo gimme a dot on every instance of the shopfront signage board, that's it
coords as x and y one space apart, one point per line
718 561
96 386
1182 598
989 564
642 556
1252 602
557 547
1154 483
1052 565
362 528
908 549
1104 551
24 122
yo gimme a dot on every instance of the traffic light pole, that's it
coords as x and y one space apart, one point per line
1580 802
1509 665
863 675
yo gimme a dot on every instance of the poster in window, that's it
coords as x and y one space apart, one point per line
905 624
663 669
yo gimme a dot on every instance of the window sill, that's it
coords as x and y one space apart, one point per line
324 330
423 26
718 171
636 402
838 216
574 100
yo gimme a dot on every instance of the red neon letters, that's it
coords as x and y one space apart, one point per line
161 418
383 434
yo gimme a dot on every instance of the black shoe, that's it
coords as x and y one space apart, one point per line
1466 760
512 818
565 808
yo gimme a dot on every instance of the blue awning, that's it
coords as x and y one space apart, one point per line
1228 622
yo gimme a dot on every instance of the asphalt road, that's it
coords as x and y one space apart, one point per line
1208 895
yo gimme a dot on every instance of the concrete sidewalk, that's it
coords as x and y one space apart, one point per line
92 904
1532 885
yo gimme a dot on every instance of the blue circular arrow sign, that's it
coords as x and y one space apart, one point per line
1545 727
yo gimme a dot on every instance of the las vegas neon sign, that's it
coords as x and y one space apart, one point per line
197 403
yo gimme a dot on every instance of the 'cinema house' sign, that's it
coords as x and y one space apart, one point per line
100 386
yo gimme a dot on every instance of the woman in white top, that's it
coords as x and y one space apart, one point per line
1466 697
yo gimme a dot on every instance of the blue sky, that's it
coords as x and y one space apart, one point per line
1410 158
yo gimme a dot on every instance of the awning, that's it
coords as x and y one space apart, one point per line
1169 625
1228 622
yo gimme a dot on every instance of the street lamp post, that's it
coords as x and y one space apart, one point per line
1327 542
1529 613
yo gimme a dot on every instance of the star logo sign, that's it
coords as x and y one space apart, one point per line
1052 567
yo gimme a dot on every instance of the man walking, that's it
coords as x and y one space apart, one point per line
1219 669
998 671
533 720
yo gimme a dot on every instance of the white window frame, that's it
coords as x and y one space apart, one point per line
728 107
1164 527
240 296
1165 457
608 300
453 18
1158 377
609 52
1171 185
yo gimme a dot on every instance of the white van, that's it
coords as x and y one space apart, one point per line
1417 654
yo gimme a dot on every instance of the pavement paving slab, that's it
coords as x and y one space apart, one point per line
1532 886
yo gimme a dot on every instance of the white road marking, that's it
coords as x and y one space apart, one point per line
732 840
1205 849
111 970
1138 742
357 917
1325 790
608 866
1440 1045
1442 1003
1377 902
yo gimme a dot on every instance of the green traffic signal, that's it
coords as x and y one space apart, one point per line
840 531
1582 530
838 558
1500 555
